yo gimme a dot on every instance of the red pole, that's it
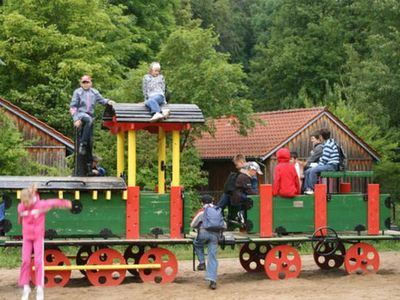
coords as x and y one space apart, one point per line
176 206
320 207
266 216
132 213
373 208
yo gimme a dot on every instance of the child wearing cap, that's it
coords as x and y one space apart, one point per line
154 92
286 181
82 108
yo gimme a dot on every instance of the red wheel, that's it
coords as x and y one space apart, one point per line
282 262
54 257
252 256
168 270
361 258
106 256
327 257
84 253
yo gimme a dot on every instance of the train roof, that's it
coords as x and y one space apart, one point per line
62 183
139 113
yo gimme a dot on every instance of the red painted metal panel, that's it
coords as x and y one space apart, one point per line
320 207
132 213
176 206
373 208
345 187
266 210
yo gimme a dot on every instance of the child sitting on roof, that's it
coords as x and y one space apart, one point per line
286 181
154 92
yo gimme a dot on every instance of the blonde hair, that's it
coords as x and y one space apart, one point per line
28 194
155 65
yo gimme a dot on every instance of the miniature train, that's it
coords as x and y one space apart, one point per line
109 212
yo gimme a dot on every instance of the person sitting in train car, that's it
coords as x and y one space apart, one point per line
154 91
97 170
316 152
286 181
329 161
239 161
297 165
243 188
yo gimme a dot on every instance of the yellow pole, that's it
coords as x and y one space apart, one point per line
161 158
175 158
120 153
131 158
100 267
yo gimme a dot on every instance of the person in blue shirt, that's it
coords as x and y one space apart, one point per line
82 108
329 161
97 170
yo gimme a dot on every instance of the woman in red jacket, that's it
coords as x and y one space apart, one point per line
286 181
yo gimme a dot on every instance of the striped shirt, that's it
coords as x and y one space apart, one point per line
330 153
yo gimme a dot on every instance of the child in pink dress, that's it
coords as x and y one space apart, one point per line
31 214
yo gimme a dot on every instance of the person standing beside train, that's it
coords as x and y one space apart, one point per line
329 161
31 214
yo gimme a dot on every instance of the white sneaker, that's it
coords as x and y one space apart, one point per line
165 112
309 192
39 293
26 292
156 117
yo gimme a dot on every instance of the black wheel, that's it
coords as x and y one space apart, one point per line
325 238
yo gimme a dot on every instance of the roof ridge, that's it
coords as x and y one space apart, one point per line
317 108
36 120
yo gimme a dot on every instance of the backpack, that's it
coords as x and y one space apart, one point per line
213 219
342 158
230 183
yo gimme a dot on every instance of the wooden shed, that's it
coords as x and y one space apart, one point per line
47 146
286 128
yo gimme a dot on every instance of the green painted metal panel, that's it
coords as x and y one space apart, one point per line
346 211
294 214
384 212
95 216
253 214
154 212
187 215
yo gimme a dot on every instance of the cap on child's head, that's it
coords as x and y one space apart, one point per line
96 158
252 165
206 199
86 78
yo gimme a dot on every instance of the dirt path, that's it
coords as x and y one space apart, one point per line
235 283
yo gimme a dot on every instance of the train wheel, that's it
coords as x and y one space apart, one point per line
361 258
106 256
84 253
132 254
54 257
252 256
168 270
282 262
328 258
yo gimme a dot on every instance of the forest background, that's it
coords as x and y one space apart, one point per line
230 57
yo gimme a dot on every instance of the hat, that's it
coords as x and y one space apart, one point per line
86 78
206 198
252 165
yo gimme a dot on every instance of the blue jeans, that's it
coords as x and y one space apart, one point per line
211 239
311 175
154 103
224 201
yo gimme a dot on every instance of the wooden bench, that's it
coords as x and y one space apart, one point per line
367 175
